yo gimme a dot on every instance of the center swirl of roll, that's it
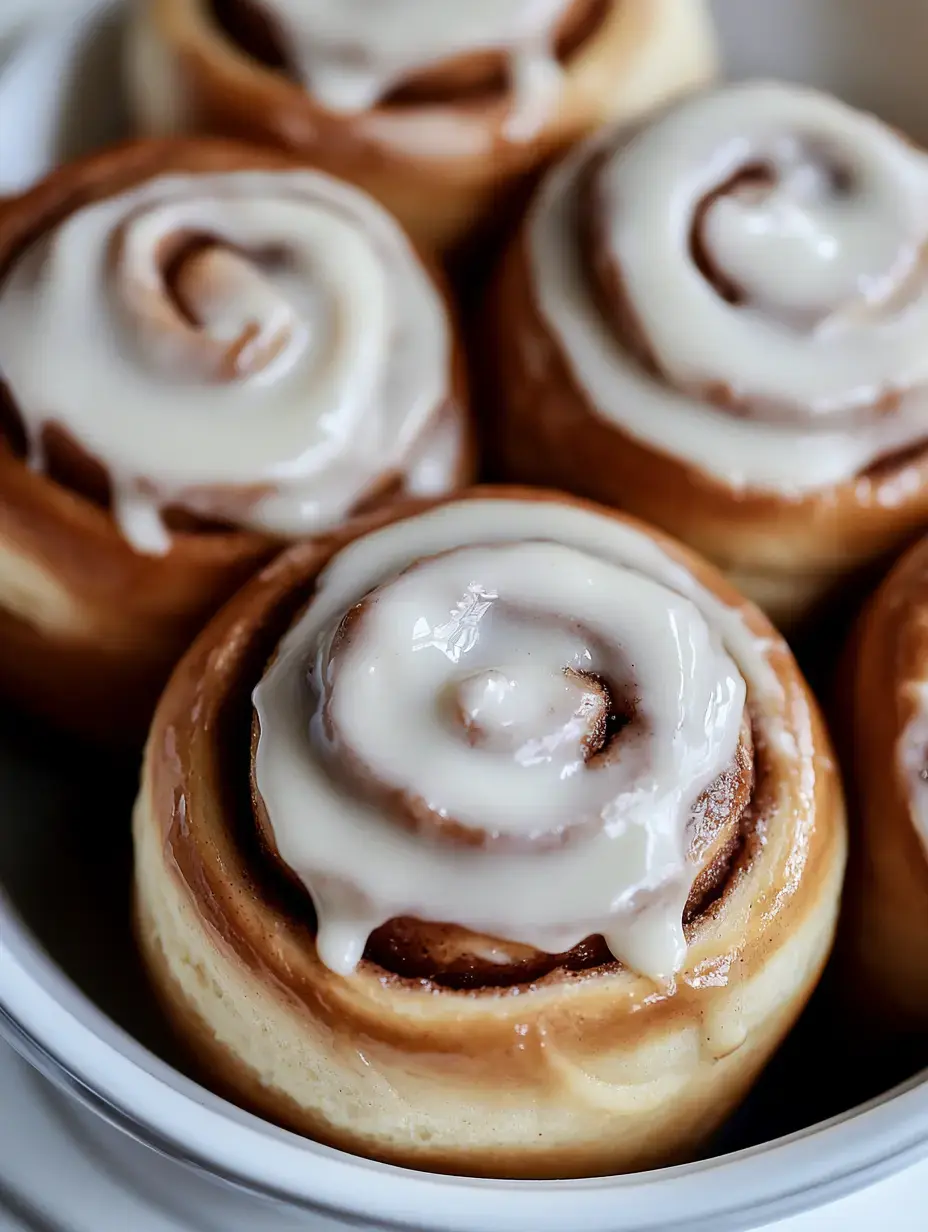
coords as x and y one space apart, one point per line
509 736
763 248
258 347
197 302
463 689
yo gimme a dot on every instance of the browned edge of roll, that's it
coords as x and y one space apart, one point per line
196 796
885 944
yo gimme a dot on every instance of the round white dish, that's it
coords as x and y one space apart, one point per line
71 998
106 1182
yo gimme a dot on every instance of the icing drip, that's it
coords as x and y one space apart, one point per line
352 53
769 246
253 347
437 735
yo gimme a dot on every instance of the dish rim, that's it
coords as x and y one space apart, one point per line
74 1044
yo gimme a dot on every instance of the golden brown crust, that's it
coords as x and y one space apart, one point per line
227 1075
90 628
580 1051
188 74
786 554
887 901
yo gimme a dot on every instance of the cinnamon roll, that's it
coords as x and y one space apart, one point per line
884 714
494 836
437 109
720 323
204 351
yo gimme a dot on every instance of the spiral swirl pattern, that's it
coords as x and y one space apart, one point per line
258 347
749 284
510 736
451 1045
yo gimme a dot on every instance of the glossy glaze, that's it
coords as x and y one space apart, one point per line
92 627
613 1070
197 337
603 393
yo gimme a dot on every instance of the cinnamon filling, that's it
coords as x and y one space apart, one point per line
12 432
595 720
722 825
895 461
451 957
58 456
211 308
603 273
67 464
481 76
601 717
605 278
185 271
753 179
606 284
180 254
756 175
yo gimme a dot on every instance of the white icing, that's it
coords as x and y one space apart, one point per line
352 53
437 626
797 249
538 713
829 260
319 357
912 759
483 633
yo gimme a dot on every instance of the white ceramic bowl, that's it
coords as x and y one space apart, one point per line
71 997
